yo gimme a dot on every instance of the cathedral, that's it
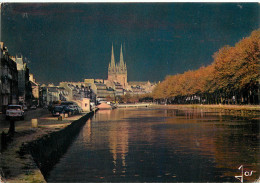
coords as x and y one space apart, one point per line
117 72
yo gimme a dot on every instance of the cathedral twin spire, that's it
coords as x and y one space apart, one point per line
112 65
121 67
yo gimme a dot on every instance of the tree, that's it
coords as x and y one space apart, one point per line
232 77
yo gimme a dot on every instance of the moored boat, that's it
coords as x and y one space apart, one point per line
104 106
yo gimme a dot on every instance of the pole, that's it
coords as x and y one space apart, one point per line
12 127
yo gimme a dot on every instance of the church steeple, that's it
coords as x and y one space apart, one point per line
113 64
117 72
121 62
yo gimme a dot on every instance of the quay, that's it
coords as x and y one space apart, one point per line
246 108
134 105
248 111
24 159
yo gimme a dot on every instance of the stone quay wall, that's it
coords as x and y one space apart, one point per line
47 151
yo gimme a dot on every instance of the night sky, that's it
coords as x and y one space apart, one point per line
70 42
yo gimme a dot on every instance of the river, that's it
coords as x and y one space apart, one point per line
159 145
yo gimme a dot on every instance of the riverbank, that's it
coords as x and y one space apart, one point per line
17 166
251 111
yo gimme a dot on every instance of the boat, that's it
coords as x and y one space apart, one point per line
104 106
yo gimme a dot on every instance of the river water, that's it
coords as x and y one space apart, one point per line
159 145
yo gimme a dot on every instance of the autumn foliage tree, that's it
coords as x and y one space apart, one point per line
233 77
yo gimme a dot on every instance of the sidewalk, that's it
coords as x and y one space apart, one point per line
21 169
30 114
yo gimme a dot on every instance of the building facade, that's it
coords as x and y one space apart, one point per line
141 87
103 91
52 94
117 72
8 80
78 90
43 95
35 90
24 85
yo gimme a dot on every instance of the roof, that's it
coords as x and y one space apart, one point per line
117 84
33 83
52 89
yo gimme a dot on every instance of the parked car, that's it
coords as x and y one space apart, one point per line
72 108
67 109
76 109
57 110
14 112
80 109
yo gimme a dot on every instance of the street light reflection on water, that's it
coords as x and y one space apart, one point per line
160 145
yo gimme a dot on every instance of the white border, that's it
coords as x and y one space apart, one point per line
128 1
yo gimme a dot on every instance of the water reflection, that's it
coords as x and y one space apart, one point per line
161 145
118 145
231 142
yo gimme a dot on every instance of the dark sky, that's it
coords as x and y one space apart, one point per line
70 42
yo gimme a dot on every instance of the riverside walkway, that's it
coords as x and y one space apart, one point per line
17 168
134 105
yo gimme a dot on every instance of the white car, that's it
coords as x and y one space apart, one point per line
14 111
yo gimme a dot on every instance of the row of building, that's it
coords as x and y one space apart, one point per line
97 90
18 85
15 84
